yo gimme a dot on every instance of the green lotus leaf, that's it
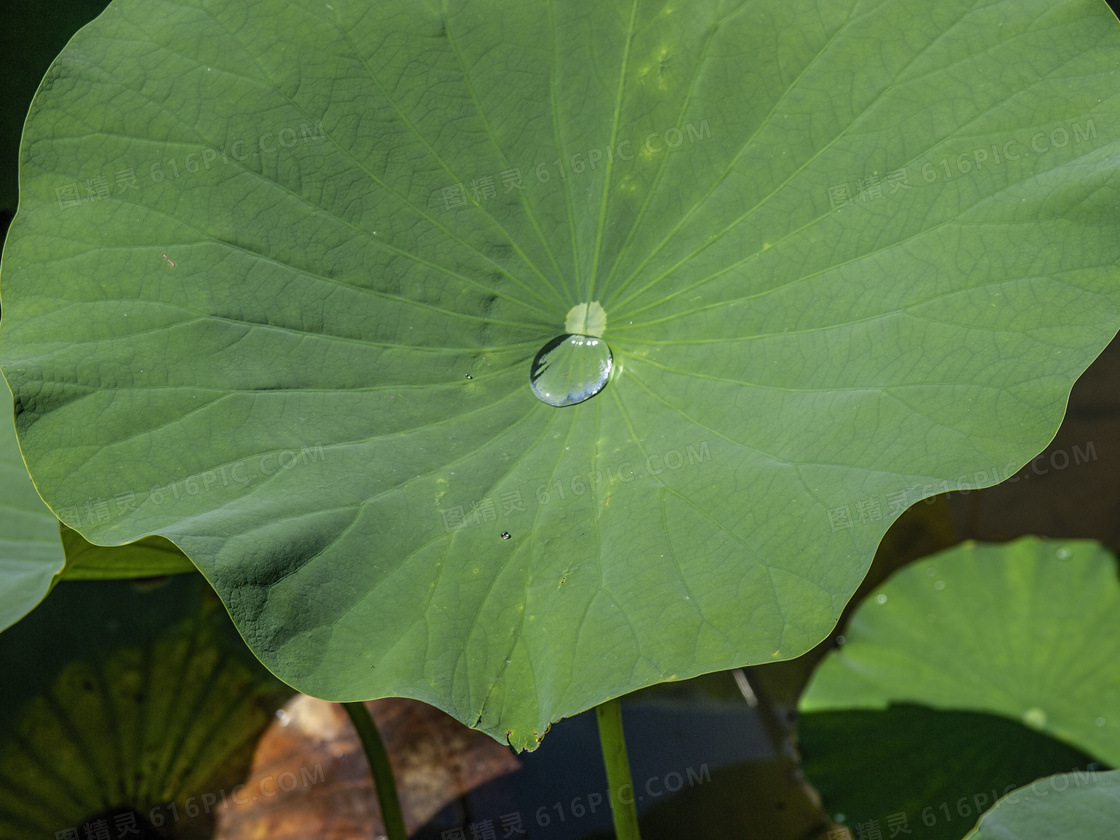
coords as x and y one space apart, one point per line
30 552
149 557
1029 631
281 269
30 38
1085 806
33 560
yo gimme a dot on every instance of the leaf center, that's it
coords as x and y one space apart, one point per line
586 319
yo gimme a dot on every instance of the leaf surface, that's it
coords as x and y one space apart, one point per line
30 551
280 270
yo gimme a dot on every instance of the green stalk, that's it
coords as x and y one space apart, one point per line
378 759
618 770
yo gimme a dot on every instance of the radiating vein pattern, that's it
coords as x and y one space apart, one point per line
282 271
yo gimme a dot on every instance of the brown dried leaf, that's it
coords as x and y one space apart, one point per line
310 777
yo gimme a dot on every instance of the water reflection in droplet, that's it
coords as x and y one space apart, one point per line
570 369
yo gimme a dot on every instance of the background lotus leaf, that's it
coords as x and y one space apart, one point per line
1085 806
128 707
1027 630
964 676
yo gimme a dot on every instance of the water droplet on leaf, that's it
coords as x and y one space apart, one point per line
1035 718
468 376
570 369
880 599
506 535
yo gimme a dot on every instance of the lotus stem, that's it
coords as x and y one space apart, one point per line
613 744
380 769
